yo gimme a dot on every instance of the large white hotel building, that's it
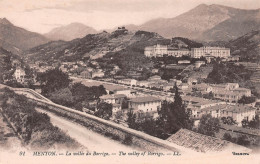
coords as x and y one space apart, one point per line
160 50
220 52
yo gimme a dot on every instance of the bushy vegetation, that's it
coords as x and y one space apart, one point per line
208 125
255 123
188 43
244 140
246 100
57 86
35 128
228 73
53 80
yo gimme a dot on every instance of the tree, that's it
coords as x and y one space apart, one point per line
62 97
119 116
104 110
244 123
131 119
208 125
255 123
227 137
53 80
243 140
179 115
246 100
124 103
81 92
174 116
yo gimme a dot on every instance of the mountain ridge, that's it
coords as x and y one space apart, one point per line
69 32
17 39
205 22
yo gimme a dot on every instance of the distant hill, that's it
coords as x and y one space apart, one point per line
179 42
16 39
247 46
70 32
206 23
91 46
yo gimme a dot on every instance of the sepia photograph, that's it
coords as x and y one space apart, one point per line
129 81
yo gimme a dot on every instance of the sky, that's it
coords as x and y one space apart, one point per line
43 15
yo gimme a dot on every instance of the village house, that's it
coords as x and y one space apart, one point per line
199 63
130 82
230 92
86 74
145 104
113 99
237 112
115 89
143 83
98 73
19 74
116 100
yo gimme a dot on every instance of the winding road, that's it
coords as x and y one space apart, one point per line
92 140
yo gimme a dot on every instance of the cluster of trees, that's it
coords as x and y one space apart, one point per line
255 123
172 117
246 100
34 127
228 120
57 86
208 125
243 140
228 73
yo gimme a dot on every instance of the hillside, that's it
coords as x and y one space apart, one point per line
6 58
247 46
91 46
16 39
179 42
206 23
70 32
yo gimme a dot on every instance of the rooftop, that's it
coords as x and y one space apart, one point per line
202 143
230 108
114 87
112 96
144 99
198 100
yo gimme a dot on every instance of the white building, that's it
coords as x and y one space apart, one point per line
178 52
116 101
220 52
160 50
19 75
230 92
114 89
156 51
237 112
145 104
199 63
130 82
98 74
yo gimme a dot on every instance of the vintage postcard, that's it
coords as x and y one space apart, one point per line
137 81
